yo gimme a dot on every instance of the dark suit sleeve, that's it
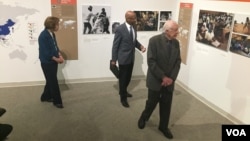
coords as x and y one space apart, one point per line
116 44
151 59
177 64
138 45
46 46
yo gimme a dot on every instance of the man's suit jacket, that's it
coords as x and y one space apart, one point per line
162 61
123 48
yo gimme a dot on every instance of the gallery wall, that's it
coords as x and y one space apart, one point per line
19 55
218 77
95 50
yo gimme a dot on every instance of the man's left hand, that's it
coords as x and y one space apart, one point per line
143 49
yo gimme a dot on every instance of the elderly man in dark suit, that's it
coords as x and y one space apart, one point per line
123 51
164 62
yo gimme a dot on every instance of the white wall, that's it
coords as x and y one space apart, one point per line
220 77
94 50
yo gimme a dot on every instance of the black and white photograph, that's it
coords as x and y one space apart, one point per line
147 20
214 28
164 15
114 26
96 19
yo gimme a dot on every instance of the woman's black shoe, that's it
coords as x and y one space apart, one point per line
58 105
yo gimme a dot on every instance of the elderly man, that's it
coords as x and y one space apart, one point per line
164 61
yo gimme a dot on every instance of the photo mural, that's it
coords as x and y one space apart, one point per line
240 41
96 19
214 28
147 20
114 26
164 15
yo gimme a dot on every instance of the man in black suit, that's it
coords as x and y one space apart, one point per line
164 62
123 51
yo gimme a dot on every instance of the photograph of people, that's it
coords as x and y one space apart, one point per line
165 15
114 26
240 40
147 20
240 44
96 19
241 24
214 28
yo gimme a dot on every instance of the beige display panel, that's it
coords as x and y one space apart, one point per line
66 37
184 22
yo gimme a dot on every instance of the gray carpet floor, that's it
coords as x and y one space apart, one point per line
93 112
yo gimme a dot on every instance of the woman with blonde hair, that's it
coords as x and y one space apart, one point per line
50 57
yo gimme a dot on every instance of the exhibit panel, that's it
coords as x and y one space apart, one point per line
67 36
184 21
215 74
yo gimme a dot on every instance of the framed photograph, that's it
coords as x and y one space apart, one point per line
164 15
240 41
114 26
147 20
96 19
214 28
241 24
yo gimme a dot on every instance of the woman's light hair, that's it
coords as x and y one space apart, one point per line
51 22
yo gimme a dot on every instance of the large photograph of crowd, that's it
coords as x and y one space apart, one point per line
147 20
96 19
214 28
240 42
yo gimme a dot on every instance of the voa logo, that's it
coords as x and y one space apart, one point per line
236 132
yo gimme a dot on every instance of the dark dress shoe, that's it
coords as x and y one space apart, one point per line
2 111
5 130
167 133
125 103
58 105
129 95
141 122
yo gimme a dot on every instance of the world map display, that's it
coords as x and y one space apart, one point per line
6 29
18 21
